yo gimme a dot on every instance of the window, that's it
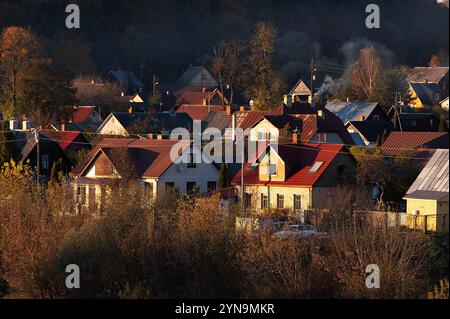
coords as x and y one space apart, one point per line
321 137
376 118
280 201
315 167
192 162
45 162
170 185
264 201
92 196
247 200
103 191
191 187
341 171
81 194
212 186
272 169
297 202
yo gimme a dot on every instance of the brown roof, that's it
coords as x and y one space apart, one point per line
401 142
151 158
427 74
200 112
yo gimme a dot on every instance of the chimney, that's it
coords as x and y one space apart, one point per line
26 125
204 101
159 137
130 109
13 124
348 99
294 137
363 118
122 94
289 101
241 108
228 110
321 114
63 127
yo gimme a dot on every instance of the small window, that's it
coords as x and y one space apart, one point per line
376 118
272 169
264 201
315 167
280 201
45 162
321 137
191 187
81 194
212 186
170 185
341 171
297 202
92 196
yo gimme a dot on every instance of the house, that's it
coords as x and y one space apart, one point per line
369 133
314 125
423 75
219 120
197 76
427 198
55 148
294 176
299 93
84 117
138 103
152 162
424 95
126 123
357 111
200 112
427 86
204 97
399 143
127 80
415 122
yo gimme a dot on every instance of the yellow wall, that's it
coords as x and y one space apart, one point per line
436 212
264 168
414 100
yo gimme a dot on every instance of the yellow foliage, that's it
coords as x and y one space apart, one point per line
440 290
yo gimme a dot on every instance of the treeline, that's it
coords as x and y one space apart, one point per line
163 37
182 247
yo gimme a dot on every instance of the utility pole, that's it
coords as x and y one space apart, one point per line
313 77
155 83
38 157
242 178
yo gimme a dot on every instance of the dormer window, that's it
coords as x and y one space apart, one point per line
316 166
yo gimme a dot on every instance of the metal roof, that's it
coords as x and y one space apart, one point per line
434 176
351 111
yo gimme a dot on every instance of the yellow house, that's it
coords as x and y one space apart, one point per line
295 177
427 198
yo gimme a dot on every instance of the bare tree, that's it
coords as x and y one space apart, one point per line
365 72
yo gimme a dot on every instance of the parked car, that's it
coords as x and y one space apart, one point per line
297 231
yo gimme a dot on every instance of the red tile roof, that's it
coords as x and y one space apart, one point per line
196 98
200 112
151 158
401 142
82 113
64 138
299 158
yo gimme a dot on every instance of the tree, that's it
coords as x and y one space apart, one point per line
435 61
265 85
227 64
365 72
389 84
44 96
19 50
7 150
